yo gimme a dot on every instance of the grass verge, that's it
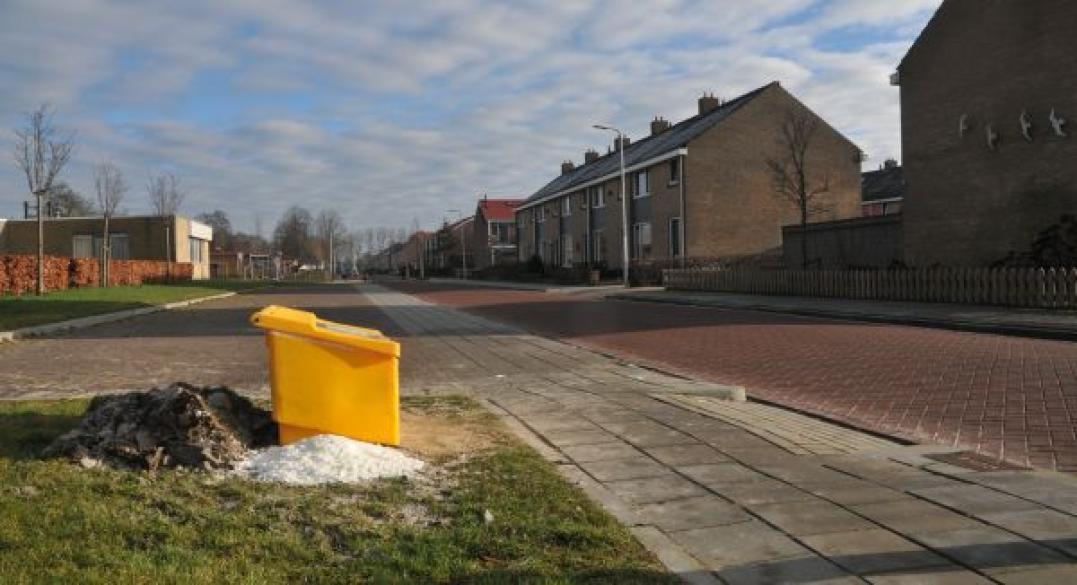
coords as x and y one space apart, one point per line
63 523
29 310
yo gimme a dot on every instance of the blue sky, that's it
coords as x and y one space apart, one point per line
392 116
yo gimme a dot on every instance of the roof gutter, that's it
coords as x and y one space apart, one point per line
607 177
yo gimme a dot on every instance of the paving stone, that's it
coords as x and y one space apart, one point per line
914 517
856 493
654 489
650 434
702 512
545 424
991 550
805 569
952 575
682 455
619 469
739 545
718 474
804 472
1051 528
877 551
812 517
1051 575
586 437
762 491
601 452
974 499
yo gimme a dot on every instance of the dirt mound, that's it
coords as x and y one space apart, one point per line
177 426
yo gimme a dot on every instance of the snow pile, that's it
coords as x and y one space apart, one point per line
327 459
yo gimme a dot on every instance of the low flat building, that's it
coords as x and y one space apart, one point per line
174 238
698 189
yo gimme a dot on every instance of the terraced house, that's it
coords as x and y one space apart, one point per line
699 189
495 232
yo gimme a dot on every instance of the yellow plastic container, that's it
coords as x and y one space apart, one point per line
329 378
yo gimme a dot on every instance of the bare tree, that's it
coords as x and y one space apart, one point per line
41 152
790 173
166 198
110 187
329 227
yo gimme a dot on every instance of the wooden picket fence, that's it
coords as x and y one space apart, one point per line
1053 288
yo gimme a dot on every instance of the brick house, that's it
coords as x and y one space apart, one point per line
494 232
700 188
134 237
454 246
986 92
883 191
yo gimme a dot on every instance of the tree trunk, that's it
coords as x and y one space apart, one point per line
804 235
106 256
40 243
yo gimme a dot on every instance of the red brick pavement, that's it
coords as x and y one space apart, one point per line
1007 397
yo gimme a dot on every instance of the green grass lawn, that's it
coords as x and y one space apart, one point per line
29 310
62 523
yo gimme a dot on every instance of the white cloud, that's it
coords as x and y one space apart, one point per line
388 114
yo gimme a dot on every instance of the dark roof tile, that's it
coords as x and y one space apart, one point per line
675 137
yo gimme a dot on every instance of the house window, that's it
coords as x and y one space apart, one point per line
120 249
196 250
597 245
674 170
566 207
567 256
82 247
641 185
675 237
641 241
598 198
540 215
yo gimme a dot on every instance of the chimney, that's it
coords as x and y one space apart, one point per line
627 141
567 167
890 163
659 125
709 103
590 156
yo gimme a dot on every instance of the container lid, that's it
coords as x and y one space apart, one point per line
306 324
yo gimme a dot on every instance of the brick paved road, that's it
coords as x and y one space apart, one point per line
1003 396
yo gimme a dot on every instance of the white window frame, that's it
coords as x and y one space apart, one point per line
675 161
596 246
641 178
638 230
566 206
598 197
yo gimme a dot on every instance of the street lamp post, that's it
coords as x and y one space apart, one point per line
624 200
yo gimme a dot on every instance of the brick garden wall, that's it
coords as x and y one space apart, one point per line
18 273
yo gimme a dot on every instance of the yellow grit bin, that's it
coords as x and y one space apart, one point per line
330 378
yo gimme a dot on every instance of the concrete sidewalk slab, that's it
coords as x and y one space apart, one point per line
769 511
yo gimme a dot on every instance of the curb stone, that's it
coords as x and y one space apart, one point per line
1032 331
84 322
